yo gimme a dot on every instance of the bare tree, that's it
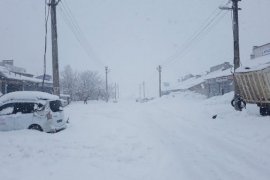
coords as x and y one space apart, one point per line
86 85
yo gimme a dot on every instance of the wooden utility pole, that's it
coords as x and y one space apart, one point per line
236 59
115 91
55 65
118 91
236 51
106 74
236 34
159 72
143 89
140 91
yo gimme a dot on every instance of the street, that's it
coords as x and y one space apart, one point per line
170 138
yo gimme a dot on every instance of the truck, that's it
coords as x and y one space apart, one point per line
253 82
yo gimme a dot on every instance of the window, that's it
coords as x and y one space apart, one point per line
7 109
39 107
24 108
56 106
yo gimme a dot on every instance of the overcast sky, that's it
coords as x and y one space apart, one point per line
132 37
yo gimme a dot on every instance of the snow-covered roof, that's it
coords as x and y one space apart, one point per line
10 75
65 95
256 64
27 95
195 81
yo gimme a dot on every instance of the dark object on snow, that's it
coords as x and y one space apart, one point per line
214 117
85 100
238 102
264 109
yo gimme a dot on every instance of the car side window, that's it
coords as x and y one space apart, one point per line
7 109
24 108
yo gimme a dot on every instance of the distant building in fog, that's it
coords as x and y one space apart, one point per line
218 81
13 78
259 51
223 66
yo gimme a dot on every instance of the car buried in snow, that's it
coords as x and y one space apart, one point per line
31 110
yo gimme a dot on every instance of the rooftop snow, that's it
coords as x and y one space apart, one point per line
255 64
10 75
27 95
195 81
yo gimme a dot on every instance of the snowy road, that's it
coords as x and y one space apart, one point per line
169 139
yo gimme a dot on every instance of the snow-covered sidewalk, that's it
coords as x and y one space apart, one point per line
166 139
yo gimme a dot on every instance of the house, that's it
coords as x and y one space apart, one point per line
47 77
14 78
259 51
218 81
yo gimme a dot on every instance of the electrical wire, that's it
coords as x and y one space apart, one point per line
72 23
210 22
196 39
47 14
206 25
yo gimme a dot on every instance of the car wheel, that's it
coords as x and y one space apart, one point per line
35 127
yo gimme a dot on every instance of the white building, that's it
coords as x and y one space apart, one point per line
259 51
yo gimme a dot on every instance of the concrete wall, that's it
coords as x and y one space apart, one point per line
259 51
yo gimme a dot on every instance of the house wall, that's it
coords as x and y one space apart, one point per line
259 51
9 85
214 87
224 66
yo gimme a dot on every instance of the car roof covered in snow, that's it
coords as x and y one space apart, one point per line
27 96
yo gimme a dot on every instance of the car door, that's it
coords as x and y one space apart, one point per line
24 115
7 117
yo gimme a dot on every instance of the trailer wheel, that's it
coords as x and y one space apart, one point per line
264 111
239 103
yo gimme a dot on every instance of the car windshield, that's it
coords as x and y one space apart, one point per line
56 106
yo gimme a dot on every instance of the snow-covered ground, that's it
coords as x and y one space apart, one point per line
166 139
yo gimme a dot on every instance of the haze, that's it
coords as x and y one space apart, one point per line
132 37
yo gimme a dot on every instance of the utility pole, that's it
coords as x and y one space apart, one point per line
115 91
107 93
55 65
236 59
118 91
159 72
140 91
143 90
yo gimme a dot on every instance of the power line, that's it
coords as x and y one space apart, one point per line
47 14
195 40
71 22
204 29
209 23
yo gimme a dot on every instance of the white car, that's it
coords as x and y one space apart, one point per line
31 110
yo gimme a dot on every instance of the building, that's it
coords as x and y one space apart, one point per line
223 66
47 77
217 82
259 51
14 78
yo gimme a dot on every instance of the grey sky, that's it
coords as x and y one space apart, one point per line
132 37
